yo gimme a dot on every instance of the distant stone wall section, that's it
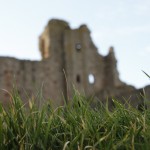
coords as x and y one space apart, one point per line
69 58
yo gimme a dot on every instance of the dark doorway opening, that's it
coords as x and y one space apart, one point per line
78 79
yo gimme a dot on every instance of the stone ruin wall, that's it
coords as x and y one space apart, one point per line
33 80
77 55
84 61
67 54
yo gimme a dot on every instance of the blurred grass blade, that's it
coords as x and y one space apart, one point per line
146 74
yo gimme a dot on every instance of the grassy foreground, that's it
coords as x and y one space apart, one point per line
74 126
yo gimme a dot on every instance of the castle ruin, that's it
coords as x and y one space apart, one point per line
69 59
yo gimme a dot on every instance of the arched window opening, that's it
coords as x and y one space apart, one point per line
78 79
91 78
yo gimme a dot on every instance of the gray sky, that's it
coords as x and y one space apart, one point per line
124 24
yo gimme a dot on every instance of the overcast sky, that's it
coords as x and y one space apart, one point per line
124 24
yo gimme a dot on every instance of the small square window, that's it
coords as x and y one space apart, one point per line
78 46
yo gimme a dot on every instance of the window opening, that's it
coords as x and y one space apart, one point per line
91 79
78 79
78 47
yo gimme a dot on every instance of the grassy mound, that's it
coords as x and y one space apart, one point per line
74 126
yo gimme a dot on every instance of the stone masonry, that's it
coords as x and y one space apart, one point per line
69 59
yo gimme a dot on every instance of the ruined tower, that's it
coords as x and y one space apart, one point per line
69 59
74 52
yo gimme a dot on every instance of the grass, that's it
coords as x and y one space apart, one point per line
74 126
